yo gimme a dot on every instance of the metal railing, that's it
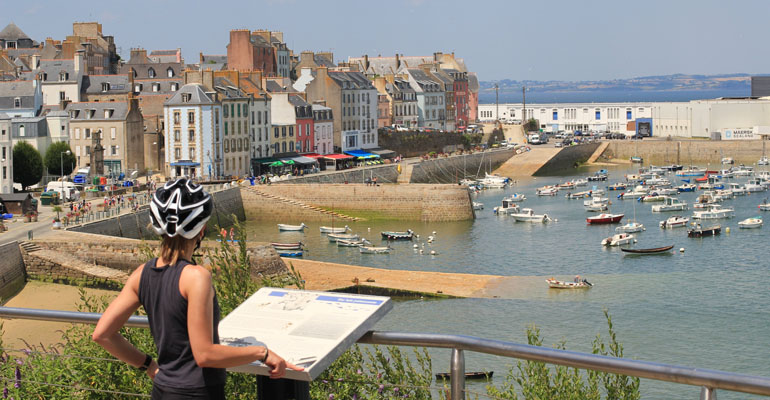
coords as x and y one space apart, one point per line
708 380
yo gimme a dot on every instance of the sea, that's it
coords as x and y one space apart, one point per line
609 96
703 305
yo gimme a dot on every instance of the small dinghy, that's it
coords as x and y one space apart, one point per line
618 239
750 223
288 246
374 250
289 253
395 235
333 237
654 250
578 283
329 229
475 375
353 243
291 228
698 231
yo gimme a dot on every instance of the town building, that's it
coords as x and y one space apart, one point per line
166 56
722 119
6 154
282 52
106 88
119 127
99 53
236 109
323 127
304 124
12 37
403 99
283 122
447 84
461 98
430 99
473 97
21 98
309 61
193 133
248 51
383 110
61 79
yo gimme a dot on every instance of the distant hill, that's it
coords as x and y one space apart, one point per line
677 87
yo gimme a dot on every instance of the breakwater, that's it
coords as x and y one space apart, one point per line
387 173
136 225
567 159
453 169
662 152
12 272
418 202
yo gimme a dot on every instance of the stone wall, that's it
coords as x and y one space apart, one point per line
685 152
425 202
12 271
453 169
385 174
413 144
136 225
58 266
567 158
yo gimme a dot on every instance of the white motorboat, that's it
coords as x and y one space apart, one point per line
715 212
580 195
737 189
633 178
517 197
478 206
667 191
743 170
658 181
755 185
596 200
676 221
765 206
291 228
652 197
691 171
631 227
374 250
566 185
618 239
507 207
330 229
728 161
492 184
670 204
750 223
637 192
764 175
548 191
763 161
580 182
722 195
333 237
726 174
528 215
686 187
353 243
577 284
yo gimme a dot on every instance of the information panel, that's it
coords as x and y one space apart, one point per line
308 329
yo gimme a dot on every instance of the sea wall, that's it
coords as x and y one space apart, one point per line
425 202
685 152
387 173
413 143
12 271
136 225
453 169
567 158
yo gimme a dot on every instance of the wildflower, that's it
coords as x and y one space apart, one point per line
331 397
395 389
359 372
18 361
5 392
17 384
379 389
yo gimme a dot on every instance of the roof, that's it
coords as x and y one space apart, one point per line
260 41
473 82
17 89
12 32
351 79
142 71
53 68
80 111
164 52
425 81
14 196
117 84
319 107
227 89
275 87
298 101
197 96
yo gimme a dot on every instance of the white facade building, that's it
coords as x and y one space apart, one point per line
721 118
193 133
260 127
431 110
323 125
6 155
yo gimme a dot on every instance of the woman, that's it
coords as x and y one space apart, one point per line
181 306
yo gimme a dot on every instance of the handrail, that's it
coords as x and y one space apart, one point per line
709 380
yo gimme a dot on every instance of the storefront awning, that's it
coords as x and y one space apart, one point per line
265 160
185 164
304 160
338 156
312 155
361 154
384 153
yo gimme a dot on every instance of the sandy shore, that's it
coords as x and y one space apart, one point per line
46 296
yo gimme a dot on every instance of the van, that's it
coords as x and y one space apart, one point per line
67 190
533 139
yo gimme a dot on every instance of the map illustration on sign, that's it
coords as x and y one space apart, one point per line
308 329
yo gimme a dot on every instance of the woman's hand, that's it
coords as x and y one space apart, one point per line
278 365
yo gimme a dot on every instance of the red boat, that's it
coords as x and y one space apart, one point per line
704 178
605 219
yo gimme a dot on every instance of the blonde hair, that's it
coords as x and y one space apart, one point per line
172 248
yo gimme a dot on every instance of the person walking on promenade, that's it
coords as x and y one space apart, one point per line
181 306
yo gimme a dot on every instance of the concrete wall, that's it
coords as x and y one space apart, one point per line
453 169
384 173
12 271
567 158
662 152
400 202
136 225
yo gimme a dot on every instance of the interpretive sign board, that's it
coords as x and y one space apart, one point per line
308 329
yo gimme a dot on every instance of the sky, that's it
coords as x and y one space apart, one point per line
498 39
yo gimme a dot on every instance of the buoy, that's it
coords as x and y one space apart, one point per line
422 251
727 229
430 238
433 252
369 229
681 249
434 232
415 245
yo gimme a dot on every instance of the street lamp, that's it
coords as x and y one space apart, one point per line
61 165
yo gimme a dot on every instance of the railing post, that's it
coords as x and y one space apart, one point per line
457 374
707 393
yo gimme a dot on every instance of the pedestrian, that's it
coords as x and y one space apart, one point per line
181 305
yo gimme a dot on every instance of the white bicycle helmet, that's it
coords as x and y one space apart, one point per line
180 207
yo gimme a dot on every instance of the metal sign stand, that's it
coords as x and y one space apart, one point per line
282 389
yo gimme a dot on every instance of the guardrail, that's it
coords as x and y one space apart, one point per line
708 380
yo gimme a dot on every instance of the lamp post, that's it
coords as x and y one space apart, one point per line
61 165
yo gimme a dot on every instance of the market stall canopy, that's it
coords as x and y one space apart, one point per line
384 153
266 160
312 155
303 160
185 164
361 154
338 156
276 164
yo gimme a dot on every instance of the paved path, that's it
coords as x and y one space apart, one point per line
526 164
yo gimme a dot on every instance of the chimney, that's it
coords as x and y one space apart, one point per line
398 62
279 36
322 73
63 104
366 62
79 61
306 56
437 56
200 57
35 62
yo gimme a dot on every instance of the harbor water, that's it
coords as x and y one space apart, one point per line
705 307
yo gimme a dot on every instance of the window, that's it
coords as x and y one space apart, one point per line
225 110
105 87
176 135
598 115
555 115
156 87
88 150
112 133
114 150
138 87
191 135
186 97
628 115
170 72
291 131
192 153
22 130
17 102
63 76
108 113
225 125
191 117
62 95
176 117
77 133
227 146
283 146
151 72
283 131
239 111
5 176
276 131
177 153
174 87
232 110
90 114
259 118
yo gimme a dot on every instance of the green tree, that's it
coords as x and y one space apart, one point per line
27 165
532 125
55 160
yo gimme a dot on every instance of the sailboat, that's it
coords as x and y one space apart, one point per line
631 226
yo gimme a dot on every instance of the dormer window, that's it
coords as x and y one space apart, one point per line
17 102
133 72
63 76
108 113
170 72
174 87
156 87
45 76
186 97
74 114
90 114
151 73
105 87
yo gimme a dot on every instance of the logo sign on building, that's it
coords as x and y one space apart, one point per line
739 134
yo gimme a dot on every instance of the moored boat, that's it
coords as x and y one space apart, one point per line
291 228
330 229
547 191
374 250
750 223
287 246
691 171
686 187
396 235
763 161
699 231
478 206
579 195
631 227
654 250
333 237
618 239
289 253
528 215
604 219
617 186
353 243
714 212
670 204
507 207
675 221
578 283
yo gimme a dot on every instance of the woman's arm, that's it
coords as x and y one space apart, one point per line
107 329
195 285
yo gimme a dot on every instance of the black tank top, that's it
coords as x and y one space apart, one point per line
167 312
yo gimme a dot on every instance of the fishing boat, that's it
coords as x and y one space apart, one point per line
374 250
670 204
765 206
580 182
331 229
633 178
686 187
291 228
750 223
657 181
652 197
288 246
635 193
618 239
631 227
333 237
755 185
548 191
517 197
699 231
763 161
714 212
604 219
667 191
617 186
728 161
289 253
737 189
596 207
579 195
723 194
528 215
743 170
725 174
396 235
566 185
478 206
673 167
600 175
507 207
476 375
654 250
557 284
691 171
637 160
353 243
676 221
